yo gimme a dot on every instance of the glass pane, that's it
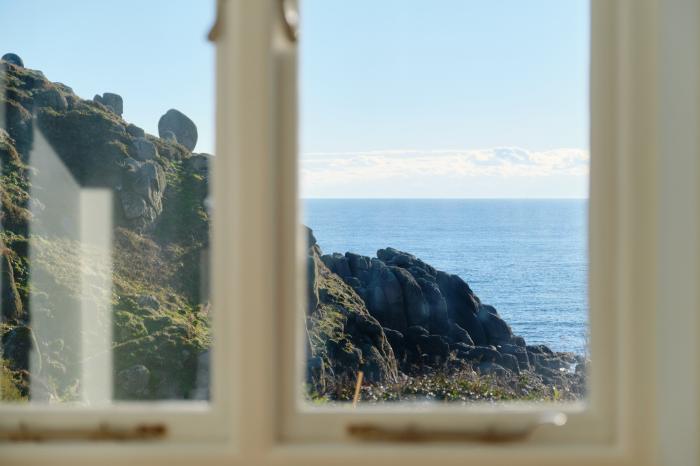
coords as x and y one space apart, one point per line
105 213
444 177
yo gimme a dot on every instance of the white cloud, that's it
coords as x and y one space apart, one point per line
333 173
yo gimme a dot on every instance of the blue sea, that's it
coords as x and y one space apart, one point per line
528 258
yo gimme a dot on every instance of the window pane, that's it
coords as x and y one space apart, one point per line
444 174
105 211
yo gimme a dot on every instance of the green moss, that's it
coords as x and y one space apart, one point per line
11 384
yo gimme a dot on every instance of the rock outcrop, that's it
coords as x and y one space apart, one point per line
343 337
111 101
430 317
177 124
13 58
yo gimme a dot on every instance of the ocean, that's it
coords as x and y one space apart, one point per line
528 258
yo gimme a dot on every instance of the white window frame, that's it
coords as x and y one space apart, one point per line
638 158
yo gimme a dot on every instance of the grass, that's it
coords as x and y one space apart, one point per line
10 383
451 383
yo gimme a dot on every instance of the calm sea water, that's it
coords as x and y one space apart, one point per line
525 257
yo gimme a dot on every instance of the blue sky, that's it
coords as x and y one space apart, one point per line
444 98
151 52
399 98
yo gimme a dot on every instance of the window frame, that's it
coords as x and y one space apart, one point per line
198 429
618 113
257 240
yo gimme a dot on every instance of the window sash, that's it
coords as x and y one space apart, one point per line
187 422
614 170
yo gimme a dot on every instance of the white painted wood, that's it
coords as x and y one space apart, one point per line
635 415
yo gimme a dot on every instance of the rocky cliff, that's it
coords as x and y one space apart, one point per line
157 310
436 329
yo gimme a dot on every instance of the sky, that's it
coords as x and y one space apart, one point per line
398 98
444 98
153 53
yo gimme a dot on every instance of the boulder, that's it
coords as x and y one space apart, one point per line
437 307
339 264
484 353
113 102
497 331
491 368
144 149
168 136
458 335
435 346
383 295
519 352
510 362
462 305
199 163
14 59
17 346
133 381
397 342
359 266
414 333
181 126
416 308
135 131
142 193
51 98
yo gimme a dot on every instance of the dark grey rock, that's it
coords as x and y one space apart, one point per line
359 266
339 264
437 307
413 333
435 346
64 88
113 102
110 101
484 353
168 136
135 131
17 345
519 352
199 163
497 331
458 335
416 307
345 356
491 368
144 149
462 305
539 349
14 59
510 362
397 342
383 293
51 98
181 126
142 193
134 380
